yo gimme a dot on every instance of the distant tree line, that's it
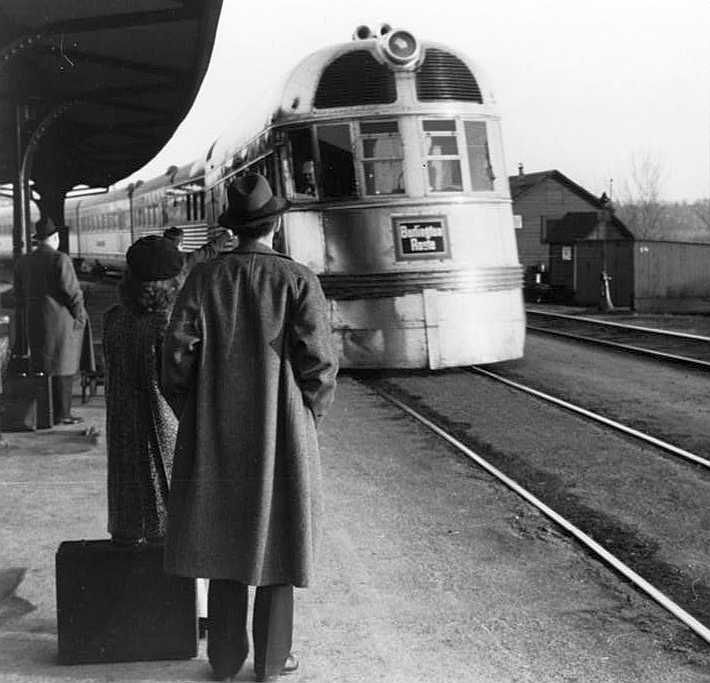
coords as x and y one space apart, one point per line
642 209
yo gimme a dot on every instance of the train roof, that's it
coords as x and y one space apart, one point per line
296 97
174 175
299 91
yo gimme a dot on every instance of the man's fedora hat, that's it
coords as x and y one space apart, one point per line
44 227
251 201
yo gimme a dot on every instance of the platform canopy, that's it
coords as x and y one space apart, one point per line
95 88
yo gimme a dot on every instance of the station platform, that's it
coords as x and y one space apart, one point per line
429 570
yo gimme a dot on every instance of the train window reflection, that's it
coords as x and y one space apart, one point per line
382 154
479 158
336 161
442 151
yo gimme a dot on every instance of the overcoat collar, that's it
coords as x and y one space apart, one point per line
256 247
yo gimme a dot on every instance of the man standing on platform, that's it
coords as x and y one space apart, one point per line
47 289
249 368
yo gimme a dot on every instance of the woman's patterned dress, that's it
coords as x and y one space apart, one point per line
140 426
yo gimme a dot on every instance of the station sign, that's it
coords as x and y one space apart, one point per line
421 237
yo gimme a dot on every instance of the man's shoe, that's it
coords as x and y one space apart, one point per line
290 665
72 420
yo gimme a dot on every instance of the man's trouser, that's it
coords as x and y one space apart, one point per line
61 396
227 637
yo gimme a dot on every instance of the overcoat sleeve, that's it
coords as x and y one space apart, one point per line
70 290
207 251
314 360
181 345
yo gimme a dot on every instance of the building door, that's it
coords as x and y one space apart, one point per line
618 257
588 265
619 261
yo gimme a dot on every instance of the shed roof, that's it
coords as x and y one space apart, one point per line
101 85
579 225
524 182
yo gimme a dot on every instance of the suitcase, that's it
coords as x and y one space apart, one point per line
116 604
27 402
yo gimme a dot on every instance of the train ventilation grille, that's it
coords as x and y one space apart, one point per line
443 76
353 79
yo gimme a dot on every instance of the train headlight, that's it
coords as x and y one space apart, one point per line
400 47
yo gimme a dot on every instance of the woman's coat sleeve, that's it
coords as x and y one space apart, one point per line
183 340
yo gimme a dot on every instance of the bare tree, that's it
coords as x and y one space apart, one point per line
701 208
640 206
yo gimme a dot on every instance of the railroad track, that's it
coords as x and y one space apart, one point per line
407 405
596 417
666 345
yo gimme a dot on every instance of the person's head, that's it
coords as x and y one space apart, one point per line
175 234
154 275
253 211
309 172
46 232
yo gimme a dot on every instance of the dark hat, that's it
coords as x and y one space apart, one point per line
173 233
154 258
251 201
44 227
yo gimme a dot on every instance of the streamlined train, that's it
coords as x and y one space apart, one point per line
390 150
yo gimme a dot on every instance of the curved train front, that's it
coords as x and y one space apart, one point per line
390 151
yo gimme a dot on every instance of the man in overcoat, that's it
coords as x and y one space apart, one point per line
249 368
47 290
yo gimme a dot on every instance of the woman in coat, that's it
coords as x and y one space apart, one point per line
250 370
140 425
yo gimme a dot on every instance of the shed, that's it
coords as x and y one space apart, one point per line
671 277
581 246
537 198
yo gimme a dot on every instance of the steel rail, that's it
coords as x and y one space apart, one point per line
625 347
662 599
647 438
609 323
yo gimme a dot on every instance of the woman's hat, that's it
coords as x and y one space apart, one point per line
251 201
154 258
44 227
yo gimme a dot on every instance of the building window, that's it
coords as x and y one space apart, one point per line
382 154
442 156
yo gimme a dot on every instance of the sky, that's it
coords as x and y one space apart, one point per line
590 88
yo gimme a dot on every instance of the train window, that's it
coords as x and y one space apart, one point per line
479 158
382 153
303 171
442 152
336 161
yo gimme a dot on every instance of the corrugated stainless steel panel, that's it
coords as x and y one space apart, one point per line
444 76
373 285
355 78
